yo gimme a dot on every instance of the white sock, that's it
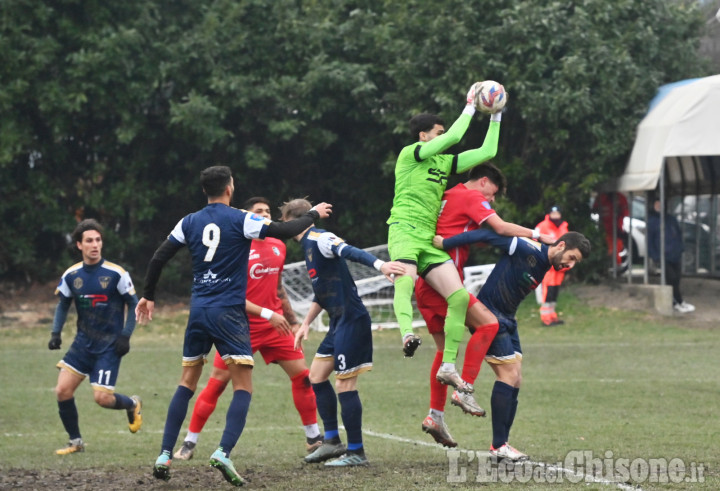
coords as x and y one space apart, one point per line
447 367
192 437
312 431
435 414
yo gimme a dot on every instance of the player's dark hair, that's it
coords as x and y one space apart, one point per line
576 240
84 226
295 208
215 179
488 169
424 122
250 202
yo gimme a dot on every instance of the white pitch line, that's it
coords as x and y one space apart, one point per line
593 479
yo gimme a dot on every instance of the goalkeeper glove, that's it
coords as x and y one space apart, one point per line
55 341
122 345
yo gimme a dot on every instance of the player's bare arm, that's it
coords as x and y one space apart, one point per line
276 320
302 333
288 312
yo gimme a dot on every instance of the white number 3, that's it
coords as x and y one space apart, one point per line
211 238
341 362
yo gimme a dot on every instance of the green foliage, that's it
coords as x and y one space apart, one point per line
111 110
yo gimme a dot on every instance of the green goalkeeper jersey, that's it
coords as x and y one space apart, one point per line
421 173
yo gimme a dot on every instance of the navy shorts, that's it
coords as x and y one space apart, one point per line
505 348
102 368
349 343
225 327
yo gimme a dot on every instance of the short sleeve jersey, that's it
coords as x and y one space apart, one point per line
419 186
462 210
219 237
518 272
332 283
98 292
265 265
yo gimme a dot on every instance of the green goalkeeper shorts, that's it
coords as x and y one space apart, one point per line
408 243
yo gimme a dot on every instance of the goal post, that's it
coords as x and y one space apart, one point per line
374 289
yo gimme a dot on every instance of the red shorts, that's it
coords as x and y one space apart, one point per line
273 345
433 306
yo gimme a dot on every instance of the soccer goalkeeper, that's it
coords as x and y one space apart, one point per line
421 174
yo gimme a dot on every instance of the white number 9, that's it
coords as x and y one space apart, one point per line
211 238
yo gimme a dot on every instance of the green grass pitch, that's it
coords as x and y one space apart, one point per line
622 385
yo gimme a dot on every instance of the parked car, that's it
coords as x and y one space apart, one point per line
690 227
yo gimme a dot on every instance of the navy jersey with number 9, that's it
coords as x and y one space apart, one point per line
219 239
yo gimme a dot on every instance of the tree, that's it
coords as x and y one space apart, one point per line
112 110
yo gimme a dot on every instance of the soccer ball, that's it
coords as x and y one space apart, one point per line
490 96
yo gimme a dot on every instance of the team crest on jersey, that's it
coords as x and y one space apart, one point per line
78 283
532 261
276 251
104 281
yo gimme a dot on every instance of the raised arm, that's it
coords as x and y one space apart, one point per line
470 158
453 135
291 228
330 245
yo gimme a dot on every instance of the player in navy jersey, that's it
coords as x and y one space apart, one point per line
518 272
218 238
347 347
101 291
272 322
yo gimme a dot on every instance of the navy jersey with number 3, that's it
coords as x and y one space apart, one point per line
332 282
219 239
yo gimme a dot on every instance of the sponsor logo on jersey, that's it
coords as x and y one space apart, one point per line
104 281
78 283
91 300
486 205
257 271
529 281
257 218
253 254
210 278
436 175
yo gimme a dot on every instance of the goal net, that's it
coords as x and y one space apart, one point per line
374 289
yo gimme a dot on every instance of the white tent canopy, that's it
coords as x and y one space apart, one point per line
683 130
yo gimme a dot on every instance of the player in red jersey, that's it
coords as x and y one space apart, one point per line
272 322
465 207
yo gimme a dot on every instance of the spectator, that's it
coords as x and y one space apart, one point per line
554 226
673 253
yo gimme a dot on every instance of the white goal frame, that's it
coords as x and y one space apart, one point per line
374 289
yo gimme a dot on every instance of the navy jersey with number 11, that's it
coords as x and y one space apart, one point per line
219 239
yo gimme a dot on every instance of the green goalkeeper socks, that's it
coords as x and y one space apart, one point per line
455 323
402 303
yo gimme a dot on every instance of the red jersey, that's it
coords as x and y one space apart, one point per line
265 265
461 210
